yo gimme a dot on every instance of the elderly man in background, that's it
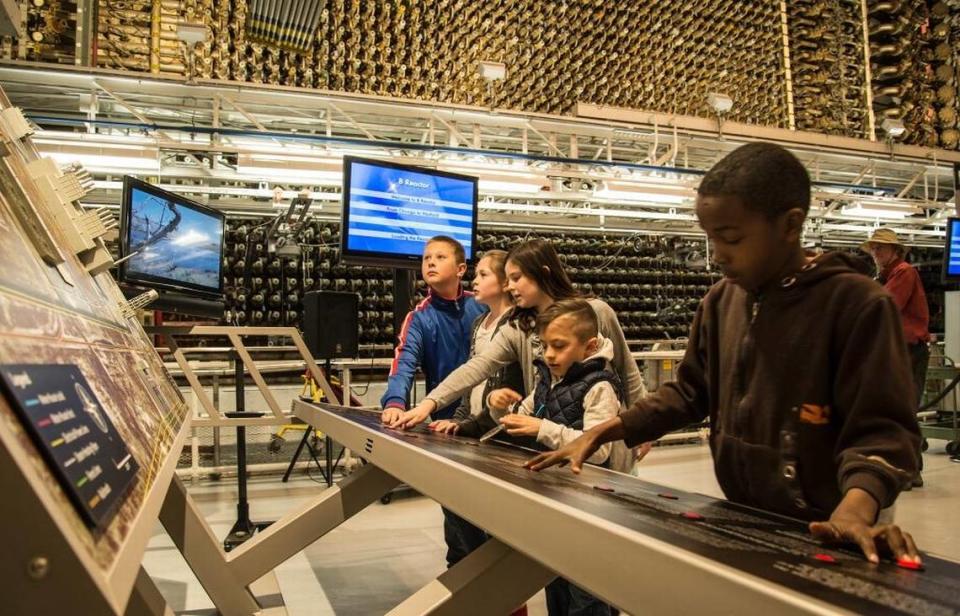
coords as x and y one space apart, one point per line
903 282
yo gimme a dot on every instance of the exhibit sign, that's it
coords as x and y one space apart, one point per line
75 436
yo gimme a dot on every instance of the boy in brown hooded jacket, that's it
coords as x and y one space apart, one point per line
798 361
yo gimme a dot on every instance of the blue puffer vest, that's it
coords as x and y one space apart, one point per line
563 403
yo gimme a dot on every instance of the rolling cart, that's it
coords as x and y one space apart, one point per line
942 423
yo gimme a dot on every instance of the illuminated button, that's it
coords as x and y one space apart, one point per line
909 564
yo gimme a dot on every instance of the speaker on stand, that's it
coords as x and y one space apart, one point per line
331 331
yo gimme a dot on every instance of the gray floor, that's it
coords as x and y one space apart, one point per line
377 558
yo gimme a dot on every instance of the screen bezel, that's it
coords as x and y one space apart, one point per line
382 259
945 275
161 283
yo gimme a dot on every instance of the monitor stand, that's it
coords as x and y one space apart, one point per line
181 303
243 529
403 295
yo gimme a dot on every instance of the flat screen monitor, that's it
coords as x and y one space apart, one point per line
390 211
173 243
951 251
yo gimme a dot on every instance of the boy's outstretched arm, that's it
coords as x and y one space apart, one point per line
878 445
853 522
580 449
674 405
406 360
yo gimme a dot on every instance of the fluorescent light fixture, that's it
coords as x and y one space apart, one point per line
532 208
495 224
630 132
299 169
510 185
862 229
871 210
642 193
493 186
104 158
481 168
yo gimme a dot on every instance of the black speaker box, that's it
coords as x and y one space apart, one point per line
330 324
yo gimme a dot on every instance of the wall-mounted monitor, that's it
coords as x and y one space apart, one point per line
951 251
170 243
391 210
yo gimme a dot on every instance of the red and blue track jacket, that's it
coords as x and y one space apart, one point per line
435 337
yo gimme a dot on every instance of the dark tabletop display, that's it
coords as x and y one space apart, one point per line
76 437
762 544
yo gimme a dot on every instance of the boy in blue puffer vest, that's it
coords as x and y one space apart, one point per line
436 334
576 390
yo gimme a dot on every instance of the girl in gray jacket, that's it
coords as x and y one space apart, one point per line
536 280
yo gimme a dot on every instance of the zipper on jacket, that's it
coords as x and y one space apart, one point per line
744 363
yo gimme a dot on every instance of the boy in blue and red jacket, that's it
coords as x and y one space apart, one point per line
436 334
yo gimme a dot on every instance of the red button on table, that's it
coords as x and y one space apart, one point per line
670 496
909 564
603 488
825 558
692 515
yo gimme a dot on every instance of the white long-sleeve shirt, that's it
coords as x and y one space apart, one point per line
600 403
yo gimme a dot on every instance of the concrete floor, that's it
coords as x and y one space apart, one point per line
382 555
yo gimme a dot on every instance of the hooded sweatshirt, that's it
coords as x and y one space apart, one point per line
436 337
808 390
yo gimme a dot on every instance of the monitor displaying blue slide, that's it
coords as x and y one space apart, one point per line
171 242
951 251
390 211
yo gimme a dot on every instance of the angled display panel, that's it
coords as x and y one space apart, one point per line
68 326
641 546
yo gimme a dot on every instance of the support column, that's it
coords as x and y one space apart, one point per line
201 549
493 579
146 600
284 538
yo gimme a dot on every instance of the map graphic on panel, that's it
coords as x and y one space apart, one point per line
68 325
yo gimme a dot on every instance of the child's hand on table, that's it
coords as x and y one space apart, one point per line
390 415
414 416
445 426
521 425
852 522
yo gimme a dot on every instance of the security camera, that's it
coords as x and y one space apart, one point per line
493 71
191 33
720 103
893 128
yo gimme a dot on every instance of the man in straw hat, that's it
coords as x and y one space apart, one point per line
903 283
